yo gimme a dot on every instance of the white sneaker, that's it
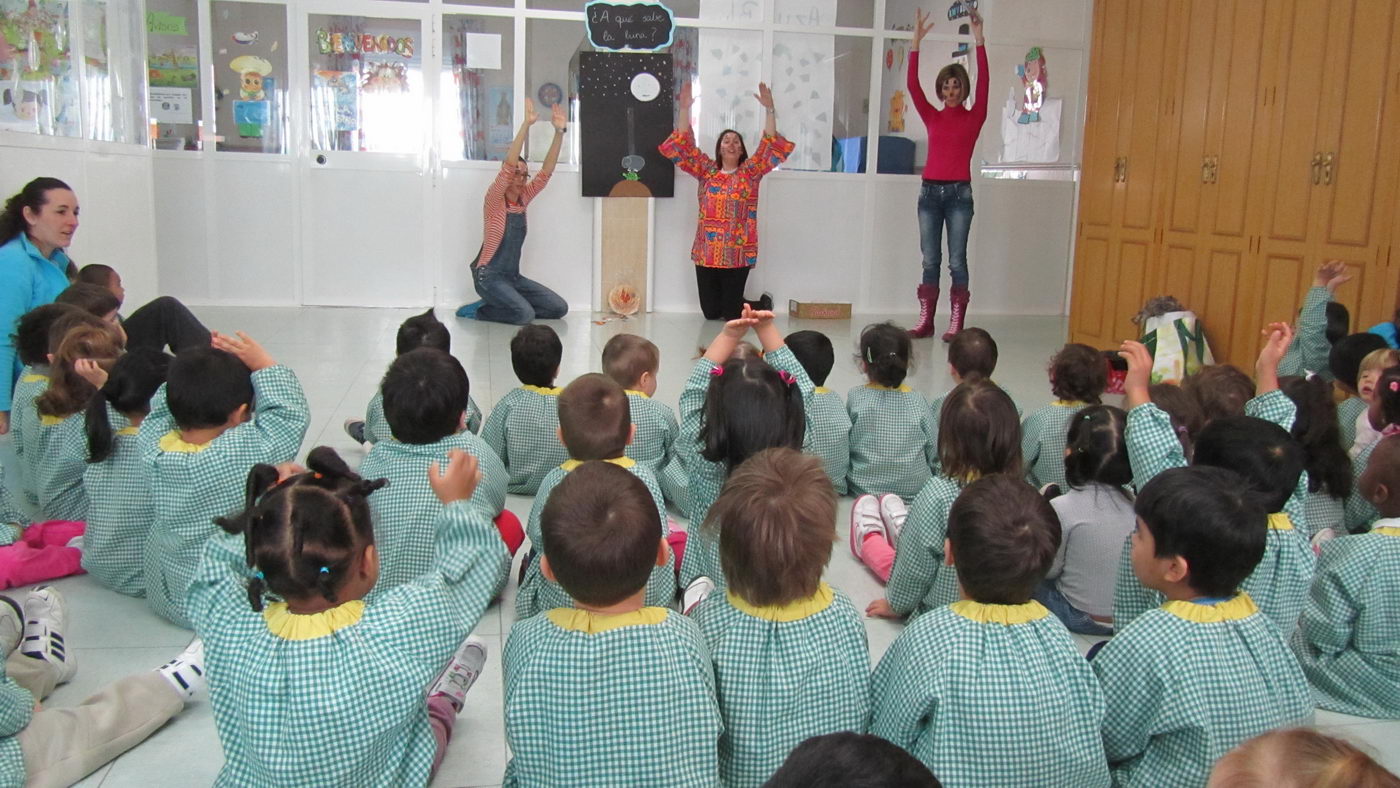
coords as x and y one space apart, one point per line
893 513
699 589
461 672
355 428
45 619
11 626
186 671
865 520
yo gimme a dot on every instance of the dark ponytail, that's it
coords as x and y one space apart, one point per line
885 349
1316 430
34 195
134 379
1096 451
749 407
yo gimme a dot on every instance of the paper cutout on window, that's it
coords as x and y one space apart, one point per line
1034 143
897 107
252 69
1034 81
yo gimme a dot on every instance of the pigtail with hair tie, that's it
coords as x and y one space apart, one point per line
787 377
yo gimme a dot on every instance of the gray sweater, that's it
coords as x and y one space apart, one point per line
1094 521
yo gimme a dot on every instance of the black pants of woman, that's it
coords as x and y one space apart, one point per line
164 321
721 291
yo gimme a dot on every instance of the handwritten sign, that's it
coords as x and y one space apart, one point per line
162 23
643 27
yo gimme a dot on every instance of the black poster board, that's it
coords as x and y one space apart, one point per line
625 111
643 27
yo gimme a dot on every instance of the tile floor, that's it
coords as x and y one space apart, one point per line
340 355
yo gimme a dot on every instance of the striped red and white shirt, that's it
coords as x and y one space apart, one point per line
497 206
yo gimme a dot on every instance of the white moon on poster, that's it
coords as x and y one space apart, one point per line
646 86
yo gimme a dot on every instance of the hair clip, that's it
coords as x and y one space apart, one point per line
1395 385
325 571
716 371
259 575
786 377
318 476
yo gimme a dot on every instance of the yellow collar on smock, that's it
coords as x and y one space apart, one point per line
621 462
128 431
296 626
903 388
1278 521
171 441
590 623
999 614
821 390
1230 610
554 392
792 611
1386 530
641 394
34 377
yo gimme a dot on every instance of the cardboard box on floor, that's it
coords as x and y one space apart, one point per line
819 310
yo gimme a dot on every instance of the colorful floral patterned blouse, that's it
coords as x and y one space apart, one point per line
726 235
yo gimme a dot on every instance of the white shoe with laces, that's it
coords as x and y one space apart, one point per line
461 672
699 589
45 619
11 626
893 513
865 520
186 671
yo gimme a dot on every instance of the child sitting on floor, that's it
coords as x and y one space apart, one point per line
1384 414
971 354
1344 361
843 760
831 424
790 655
632 362
1375 362
31 339
893 443
1325 459
523 427
991 690
1078 376
1189 680
609 692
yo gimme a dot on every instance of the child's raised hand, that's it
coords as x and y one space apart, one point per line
458 481
736 329
880 608
91 371
1331 275
1139 375
247 349
531 114
1278 337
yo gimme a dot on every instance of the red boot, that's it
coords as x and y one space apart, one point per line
958 299
928 304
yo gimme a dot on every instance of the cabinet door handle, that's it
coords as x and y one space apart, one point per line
1214 169
1205 169
1317 168
1327 169
1123 172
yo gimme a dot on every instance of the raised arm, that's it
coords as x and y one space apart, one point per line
683 102
922 25
560 120
518 144
680 147
765 97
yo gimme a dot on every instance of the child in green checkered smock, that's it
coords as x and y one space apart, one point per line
892 440
1326 460
1078 376
1385 411
981 437
831 424
609 692
119 508
1344 362
523 426
1308 352
971 354
318 684
423 330
990 689
632 362
790 653
24 425
1187 681
422 392
196 449
594 424
377 427
742 405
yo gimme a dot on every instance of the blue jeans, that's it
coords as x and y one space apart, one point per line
510 297
949 203
1074 619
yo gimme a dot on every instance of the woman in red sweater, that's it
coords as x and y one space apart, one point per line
946 196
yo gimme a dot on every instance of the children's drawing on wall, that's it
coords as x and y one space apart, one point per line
500 108
250 112
897 106
35 68
961 9
625 111
382 77
23 105
1030 121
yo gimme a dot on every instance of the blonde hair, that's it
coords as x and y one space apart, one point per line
1377 360
69 392
1299 758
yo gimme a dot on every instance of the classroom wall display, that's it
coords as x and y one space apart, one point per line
250 58
38 93
625 112
643 27
1030 119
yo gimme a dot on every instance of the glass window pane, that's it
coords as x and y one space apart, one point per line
478 79
487 3
38 86
824 13
551 69
250 76
113 87
899 15
172 64
898 117
729 65
367 90
820 84
556 5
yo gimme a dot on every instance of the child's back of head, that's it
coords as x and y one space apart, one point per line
1344 360
425 394
1380 481
595 418
885 354
776 518
31 337
134 379
749 407
68 392
1078 373
535 351
851 760
979 433
96 300
1338 322
1094 448
1262 452
423 330
1299 758
814 352
97 274
627 357
1318 434
600 534
307 536
1221 390
1002 536
1384 411
206 387
973 352
1206 516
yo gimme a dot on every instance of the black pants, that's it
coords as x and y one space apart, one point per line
721 291
165 321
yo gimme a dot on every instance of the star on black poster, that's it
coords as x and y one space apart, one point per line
625 110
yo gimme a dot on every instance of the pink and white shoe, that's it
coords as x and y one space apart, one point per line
893 512
461 672
865 520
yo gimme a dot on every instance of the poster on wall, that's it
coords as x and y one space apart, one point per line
37 91
1030 121
171 105
625 112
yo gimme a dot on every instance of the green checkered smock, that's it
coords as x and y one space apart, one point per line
1309 349
595 700
1043 437
405 510
893 446
523 430
919 580
119 512
1348 640
537 593
831 428
935 407
1323 511
16 710
784 674
1130 597
675 485
707 478
654 444
10 511
1276 407
58 468
24 424
1359 512
1187 682
1348 410
377 427
191 484
1152 443
992 695
337 698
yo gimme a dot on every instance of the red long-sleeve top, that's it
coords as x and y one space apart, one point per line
952 131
